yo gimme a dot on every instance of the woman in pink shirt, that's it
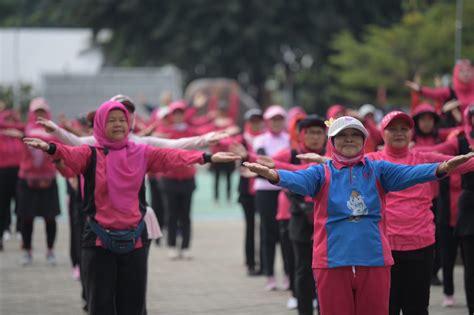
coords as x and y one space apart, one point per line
410 222
37 191
114 258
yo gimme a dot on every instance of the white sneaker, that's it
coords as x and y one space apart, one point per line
315 304
186 254
50 258
292 303
7 235
27 259
173 253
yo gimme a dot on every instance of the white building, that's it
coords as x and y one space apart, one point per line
28 53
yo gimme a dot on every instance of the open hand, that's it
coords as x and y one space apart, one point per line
266 161
413 86
246 173
232 130
48 125
224 157
36 143
263 171
312 158
449 106
200 99
213 137
453 163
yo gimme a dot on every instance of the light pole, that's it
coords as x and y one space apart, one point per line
458 32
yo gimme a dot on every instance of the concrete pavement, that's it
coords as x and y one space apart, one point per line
214 282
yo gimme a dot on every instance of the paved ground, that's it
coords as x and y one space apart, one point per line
214 282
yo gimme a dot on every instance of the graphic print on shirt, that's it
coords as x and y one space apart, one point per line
357 205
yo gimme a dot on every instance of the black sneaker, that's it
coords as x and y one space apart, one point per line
252 272
435 281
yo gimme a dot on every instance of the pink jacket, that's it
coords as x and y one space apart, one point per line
409 220
77 159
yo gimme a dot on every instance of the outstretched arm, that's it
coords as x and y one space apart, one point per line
76 158
160 159
456 165
397 177
64 136
185 143
304 182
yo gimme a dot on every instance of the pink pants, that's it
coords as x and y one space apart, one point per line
353 290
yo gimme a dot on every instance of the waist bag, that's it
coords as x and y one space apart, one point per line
118 241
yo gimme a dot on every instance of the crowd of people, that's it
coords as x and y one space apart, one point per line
367 205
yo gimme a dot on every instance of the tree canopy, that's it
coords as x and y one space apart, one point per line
240 39
422 43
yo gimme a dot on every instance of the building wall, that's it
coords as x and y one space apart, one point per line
77 94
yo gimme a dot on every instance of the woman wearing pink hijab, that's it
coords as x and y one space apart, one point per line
462 89
114 257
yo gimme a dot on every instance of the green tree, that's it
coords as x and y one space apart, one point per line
422 43
241 39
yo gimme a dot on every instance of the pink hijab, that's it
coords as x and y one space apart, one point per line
464 90
342 160
125 161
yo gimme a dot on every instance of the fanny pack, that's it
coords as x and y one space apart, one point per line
39 183
118 241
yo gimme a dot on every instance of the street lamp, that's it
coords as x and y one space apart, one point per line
458 32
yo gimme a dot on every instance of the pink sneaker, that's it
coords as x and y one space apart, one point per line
286 283
271 284
448 301
76 273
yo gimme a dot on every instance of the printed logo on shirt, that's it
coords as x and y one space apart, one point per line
357 205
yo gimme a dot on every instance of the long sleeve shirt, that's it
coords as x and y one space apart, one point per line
183 143
350 217
410 221
77 159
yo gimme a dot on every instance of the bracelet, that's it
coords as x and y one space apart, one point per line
207 157
52 149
